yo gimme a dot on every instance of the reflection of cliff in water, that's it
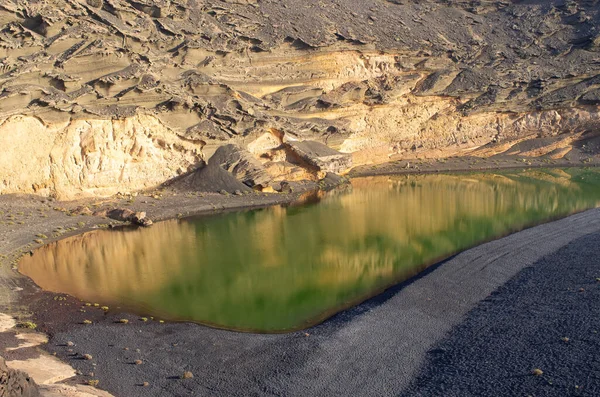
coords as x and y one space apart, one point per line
121 263
432 203
282 267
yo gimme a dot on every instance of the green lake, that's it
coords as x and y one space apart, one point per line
289 267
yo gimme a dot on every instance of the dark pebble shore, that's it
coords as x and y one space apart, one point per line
546 318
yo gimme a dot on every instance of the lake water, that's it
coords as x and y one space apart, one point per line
288 267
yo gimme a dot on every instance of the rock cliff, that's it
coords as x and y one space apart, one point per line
101 96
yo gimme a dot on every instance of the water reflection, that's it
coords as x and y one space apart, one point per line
287 267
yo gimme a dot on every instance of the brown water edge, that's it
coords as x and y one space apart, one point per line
399 280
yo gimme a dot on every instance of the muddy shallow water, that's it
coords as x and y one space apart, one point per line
287 267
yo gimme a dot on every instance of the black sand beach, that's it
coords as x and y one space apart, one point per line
547 318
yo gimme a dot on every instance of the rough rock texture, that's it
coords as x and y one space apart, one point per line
544 318
93 157
321 156
127 215
210 179
16 383
101 96
242 164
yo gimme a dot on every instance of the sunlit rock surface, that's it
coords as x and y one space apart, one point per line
102 95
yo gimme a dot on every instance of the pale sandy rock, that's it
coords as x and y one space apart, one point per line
61 390
90 157
264 144
6 322
321 156
14 383
29 339
44 369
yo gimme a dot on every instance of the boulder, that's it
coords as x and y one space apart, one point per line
127 215
331 181
321 156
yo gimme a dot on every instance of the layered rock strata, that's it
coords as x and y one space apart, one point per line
102 96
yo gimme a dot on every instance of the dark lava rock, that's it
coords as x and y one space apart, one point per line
286 188
331 181
591 98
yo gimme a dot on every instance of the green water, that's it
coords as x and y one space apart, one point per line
288 267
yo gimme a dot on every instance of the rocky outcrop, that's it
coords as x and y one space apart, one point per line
127 215
88 157
321 156
16 383
242 164
103 96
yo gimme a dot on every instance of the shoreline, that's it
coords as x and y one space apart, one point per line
178 204
181 204
19 293
456 165
410 318
530 337
21 299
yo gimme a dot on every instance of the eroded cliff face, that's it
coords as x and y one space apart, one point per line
91 157
101 96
